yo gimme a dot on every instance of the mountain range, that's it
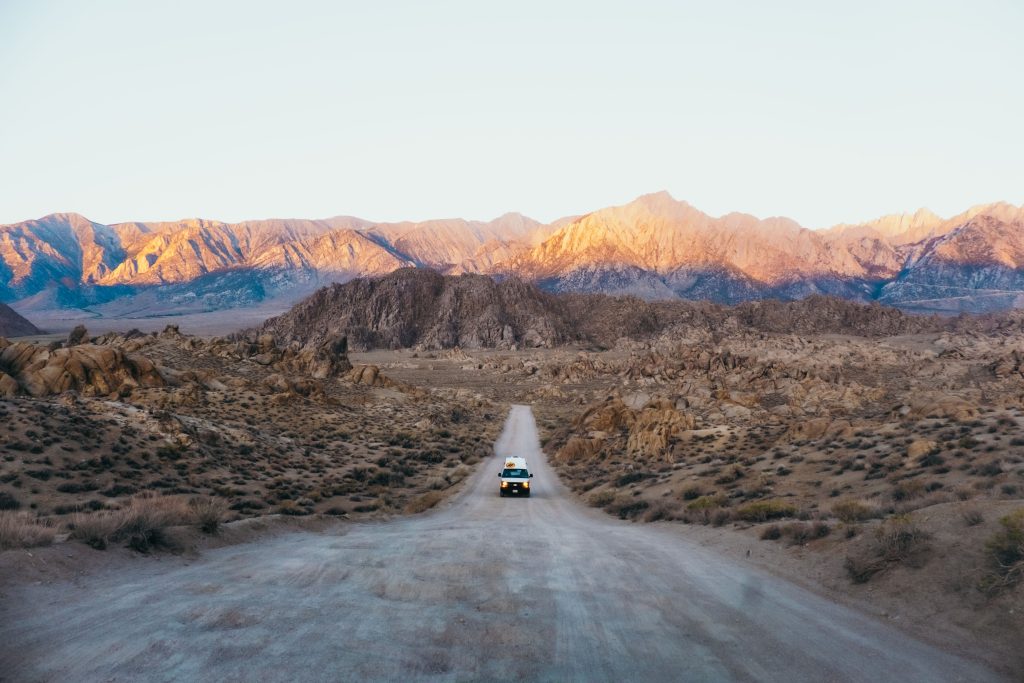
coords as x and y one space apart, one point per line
654 247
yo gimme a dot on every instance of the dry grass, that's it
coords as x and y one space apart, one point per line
850 511
424 502
1006 548
659 511
763 510
627 507
208 513
897 540
601 499
22 530
95 530
798 533
142 525
708 502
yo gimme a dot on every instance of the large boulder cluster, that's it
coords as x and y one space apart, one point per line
89 369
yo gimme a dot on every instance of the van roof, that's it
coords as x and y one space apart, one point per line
515 462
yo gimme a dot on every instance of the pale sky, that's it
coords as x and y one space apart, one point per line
825 112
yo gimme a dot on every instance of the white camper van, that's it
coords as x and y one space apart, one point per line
515 478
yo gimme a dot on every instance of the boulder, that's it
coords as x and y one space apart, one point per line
77 336
89 369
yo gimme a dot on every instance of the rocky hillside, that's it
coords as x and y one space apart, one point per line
410 308
14 325
654 247
415 308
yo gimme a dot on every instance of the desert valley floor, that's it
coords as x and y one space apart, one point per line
699 492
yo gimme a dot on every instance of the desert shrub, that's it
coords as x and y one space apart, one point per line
706 502
990 469
763 510
963 493
850 511
291 508
798 533
600 499
627 507
720 517
8 502
208 513
22 530
657 512
94 530
905 490
458 474
437 483
630 477
899 537
145 521
972 516
246 505
387 478
432 456
142 525
1006 547
77 487
424 502
771 533
692 493
860 568
732 474
897 540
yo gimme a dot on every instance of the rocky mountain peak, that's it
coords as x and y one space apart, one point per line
654 246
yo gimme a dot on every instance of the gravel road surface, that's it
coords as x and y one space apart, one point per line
484 588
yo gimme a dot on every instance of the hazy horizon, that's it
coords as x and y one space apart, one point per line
825 115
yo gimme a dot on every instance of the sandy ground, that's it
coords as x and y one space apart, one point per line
484 588
208 323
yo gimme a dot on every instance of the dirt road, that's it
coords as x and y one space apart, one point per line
487 588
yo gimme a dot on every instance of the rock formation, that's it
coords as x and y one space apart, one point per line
89 369
419 308
423 309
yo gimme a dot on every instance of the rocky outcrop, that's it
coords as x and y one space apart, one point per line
648 432
423 309
89 369
938 405
1010 365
